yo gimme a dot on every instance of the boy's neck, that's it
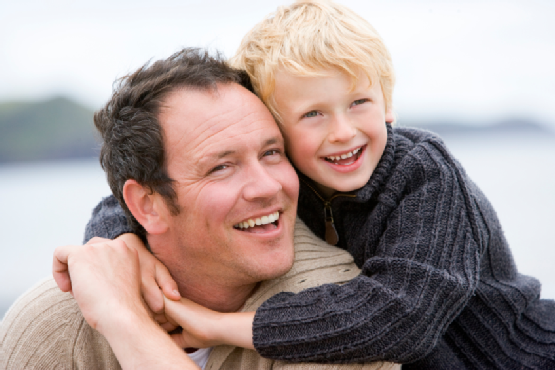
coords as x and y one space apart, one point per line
324 191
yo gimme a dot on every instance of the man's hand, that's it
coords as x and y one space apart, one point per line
156 280
204 328
104 278
60 270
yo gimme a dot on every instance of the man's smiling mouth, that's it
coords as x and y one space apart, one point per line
346 159
268 222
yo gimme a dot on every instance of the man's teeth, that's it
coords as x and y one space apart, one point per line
272 217
344 156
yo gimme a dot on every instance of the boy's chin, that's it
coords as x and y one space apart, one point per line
346 187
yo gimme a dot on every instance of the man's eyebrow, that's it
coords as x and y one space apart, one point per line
220 155
272 141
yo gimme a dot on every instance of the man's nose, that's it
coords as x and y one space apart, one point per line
341 129
260 183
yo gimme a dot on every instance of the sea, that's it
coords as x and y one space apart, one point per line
47 204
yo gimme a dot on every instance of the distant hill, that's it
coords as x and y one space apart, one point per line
50 130
512 126
62 129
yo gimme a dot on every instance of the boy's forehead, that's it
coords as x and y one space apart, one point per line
355 75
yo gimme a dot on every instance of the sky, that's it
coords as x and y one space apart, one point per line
473 61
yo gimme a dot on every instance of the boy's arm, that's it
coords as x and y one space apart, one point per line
203 328
423 255
108 220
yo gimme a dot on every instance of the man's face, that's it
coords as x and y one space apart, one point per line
226 155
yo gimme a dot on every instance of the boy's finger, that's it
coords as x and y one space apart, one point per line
152 295
168 326
179 340
166 283
160 318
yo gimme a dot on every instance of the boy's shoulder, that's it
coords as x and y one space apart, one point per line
414 139
417 149
416 135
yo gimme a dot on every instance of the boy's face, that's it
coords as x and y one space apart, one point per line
334 135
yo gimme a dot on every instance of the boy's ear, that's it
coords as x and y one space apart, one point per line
148 208
389 116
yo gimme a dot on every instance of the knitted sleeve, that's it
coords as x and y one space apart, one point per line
108 220
421 249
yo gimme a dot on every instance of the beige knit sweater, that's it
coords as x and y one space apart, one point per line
44 329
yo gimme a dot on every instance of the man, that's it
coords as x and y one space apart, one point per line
190 155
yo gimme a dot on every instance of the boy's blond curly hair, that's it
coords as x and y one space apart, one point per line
307 38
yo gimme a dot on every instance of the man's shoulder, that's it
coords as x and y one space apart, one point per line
230 358
313 253
38 299
44 328
316 263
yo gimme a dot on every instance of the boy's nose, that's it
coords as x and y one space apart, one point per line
341 130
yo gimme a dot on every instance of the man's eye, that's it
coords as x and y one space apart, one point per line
310 114
221 167
272 152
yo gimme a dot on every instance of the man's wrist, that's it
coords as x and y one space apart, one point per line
117 320
140 343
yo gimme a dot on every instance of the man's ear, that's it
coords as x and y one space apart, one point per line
148 208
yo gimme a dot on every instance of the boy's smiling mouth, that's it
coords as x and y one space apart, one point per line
268 222
346 159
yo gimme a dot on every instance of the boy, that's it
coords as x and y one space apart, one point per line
438 287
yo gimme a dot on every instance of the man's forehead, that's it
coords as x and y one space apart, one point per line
198 120
203 105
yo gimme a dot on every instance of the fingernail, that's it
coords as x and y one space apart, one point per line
176 293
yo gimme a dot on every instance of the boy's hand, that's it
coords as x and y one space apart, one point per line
204 328
156 280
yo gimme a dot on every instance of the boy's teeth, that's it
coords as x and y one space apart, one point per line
344 156
258 221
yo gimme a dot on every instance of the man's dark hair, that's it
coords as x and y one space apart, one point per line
133 144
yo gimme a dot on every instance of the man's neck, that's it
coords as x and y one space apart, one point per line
221 299
201 283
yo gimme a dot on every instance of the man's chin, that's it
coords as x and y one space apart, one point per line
275 267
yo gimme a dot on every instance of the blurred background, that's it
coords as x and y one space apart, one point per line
480 73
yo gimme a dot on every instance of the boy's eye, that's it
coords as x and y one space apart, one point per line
310 114
360 101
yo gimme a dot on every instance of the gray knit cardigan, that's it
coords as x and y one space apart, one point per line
438 290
